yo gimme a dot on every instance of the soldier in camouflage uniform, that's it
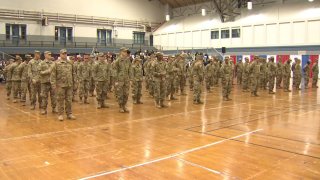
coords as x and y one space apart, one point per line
92 83
209 73
122 67
111 81
136 80
306 74
8 76
197 75
279 73
272 74
315 74
45 67
286 76
25 80
146 73
16 78
226 73
171 74
149 75
75 64
34 75
84 77
181 65
263 73
101 73
245 75
216 65
159 75
297 74
62 81
254 71
239 71
190 75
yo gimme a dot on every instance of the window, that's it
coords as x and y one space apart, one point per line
69 34
138 37
225 34
235 33
215 34
23 32
7 31
104 36
16 32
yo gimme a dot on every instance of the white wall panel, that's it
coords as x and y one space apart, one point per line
285 33
196 39
313 32
187 37
272 34
299 32
247 36
259 34
179 39
206 37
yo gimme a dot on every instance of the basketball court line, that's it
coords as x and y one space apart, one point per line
168 157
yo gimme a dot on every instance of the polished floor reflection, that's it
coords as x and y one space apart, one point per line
268 137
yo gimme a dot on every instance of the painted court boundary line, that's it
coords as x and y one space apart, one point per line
167 157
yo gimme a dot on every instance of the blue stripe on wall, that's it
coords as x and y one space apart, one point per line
305 59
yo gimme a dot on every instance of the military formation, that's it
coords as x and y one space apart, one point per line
98 75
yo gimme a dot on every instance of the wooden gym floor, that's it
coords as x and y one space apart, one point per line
269 137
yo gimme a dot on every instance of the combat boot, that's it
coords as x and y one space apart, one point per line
80 101
121 110
60 118
199 101
103 105
162 104
228 99
271 92
86 100
99 105
54 110
225 98
158 104
33 107
125 109
43 111
71 117
15 101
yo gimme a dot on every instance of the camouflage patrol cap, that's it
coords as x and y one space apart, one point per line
271 58
71 58
200 57
183 55
62 51
28 56
18 58
91 56
37 52
47 52
159 54
124 49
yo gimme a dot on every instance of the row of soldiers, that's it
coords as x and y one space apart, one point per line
163 79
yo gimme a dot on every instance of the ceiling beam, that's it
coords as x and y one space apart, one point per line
219 10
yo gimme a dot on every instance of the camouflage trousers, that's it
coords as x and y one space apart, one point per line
239 78
122 93
180 83
262 81
226 86
306 80
92 86
245 82
16 89
254 83
84 87
101 90
8 88
111 84
215 80
46 88
159 90
196 90
279 80
151 87
286 82
136 90
75 88
271 82
191 82
35 91
209 82
170 87
25 86
314 80
297 81
64 99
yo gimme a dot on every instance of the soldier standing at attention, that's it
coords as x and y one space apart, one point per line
287 76
263 73
84 77
226 78
182 74
315 74
25 81
45 67
16 78
8 75
101 74
254 71
34 75
272 74
239 70
62 81
159 75
209 70
306 73
75 64
122 67
171 74
136 80
245 75
197 75
216 65
297 74
279 73
92 83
